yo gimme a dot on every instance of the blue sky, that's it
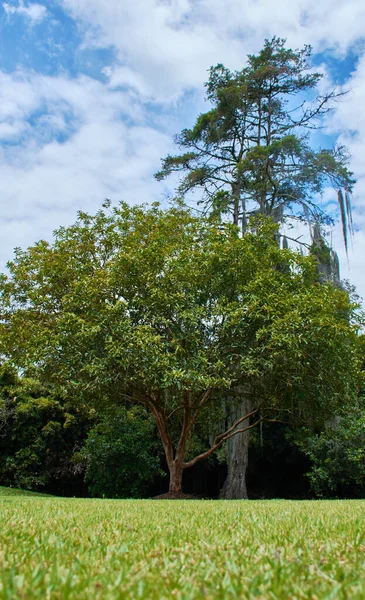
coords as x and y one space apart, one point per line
92 91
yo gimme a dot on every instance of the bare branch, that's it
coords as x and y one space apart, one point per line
180 451
247 416
218 444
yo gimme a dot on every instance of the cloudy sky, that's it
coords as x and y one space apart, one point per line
91 92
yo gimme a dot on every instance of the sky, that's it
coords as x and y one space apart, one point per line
92 92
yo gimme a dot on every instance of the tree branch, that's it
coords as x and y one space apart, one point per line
163 429
180 451
218 444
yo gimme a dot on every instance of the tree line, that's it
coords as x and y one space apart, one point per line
200 329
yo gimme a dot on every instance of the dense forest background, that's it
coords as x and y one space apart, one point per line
48 445
146 346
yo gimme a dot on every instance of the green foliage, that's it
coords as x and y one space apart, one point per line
38 434
337 455
121 456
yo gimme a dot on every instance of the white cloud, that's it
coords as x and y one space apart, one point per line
166 46
34 12
13 130
45 180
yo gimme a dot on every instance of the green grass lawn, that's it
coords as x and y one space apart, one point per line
158 549
4 491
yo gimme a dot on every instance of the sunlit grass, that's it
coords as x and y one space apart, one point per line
106 549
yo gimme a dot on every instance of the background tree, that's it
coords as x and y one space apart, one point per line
337 452
251 152
39 435
172 311
121 454
337 456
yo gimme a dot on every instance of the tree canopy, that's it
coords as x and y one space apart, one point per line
169 310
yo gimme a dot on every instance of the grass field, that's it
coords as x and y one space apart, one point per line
15 492
84 549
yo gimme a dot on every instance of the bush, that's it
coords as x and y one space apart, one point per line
121 454
338 458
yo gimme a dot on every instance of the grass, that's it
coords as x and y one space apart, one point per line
114 549
5 491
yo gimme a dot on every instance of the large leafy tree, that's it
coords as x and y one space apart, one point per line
172 311
251 151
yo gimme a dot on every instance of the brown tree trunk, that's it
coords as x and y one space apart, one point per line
236 202
237 457
176 472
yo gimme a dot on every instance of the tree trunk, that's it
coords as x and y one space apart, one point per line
237 457
236 193
176 472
